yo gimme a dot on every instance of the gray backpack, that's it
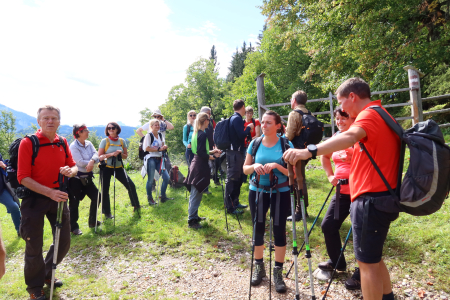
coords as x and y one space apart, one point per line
427 180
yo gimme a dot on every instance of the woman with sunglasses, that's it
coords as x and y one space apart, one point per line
199 174
85 155
188 130
114 149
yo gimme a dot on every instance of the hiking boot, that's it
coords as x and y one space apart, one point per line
241 206
37 296
151 202
164 199
258 273
201 218
77 232
354 282
280 286
298 218
109 216
92 225
194 224
329 266
56 283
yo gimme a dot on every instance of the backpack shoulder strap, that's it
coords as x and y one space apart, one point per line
122 143
254 122
62 142
284 145
389 121
160 136
35 146
107 144
299 111
255 146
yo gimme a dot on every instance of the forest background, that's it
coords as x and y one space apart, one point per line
313 46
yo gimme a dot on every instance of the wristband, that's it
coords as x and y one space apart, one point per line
158 148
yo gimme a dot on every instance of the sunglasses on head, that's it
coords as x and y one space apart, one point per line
112 128
192 116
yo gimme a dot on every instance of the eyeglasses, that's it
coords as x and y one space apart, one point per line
112 128
192 116
158 117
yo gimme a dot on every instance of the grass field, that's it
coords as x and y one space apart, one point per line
416 246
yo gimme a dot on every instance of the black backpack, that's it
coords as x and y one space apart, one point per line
222 135
142 152
311 133
249 136
11 170
426 183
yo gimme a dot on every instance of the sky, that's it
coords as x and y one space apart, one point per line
106 60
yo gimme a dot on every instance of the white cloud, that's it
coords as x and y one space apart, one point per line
96 60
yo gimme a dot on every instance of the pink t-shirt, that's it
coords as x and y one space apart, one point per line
342 161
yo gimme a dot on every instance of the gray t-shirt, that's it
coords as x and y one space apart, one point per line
113 146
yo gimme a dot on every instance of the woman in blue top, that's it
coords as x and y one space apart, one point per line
268 159
188 130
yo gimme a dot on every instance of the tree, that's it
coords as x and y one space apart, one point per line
213 57
237 64
7 131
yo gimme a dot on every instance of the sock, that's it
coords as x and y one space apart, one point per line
260 260
388 296
278 264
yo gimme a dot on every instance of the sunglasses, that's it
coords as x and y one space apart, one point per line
192 116
158 117
112 128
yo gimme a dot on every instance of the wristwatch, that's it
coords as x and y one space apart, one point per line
313 149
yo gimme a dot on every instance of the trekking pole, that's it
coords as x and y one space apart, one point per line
114 165
62 187
119 158
223 198
98 199
253 237
335 268
271 247
298 171
294 233
312 227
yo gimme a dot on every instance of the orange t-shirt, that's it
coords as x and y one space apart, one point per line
383 145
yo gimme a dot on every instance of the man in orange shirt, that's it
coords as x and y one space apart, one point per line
43 195
365 183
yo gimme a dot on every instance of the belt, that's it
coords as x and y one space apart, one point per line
338 196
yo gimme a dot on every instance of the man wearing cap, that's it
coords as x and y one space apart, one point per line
163 124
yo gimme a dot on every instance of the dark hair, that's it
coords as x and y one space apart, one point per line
277 118
354 85
339 110
238 104
113 124
300 97
75 129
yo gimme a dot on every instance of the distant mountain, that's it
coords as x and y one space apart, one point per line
24 122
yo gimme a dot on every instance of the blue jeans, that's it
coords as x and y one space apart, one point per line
194 202
152 165
11 207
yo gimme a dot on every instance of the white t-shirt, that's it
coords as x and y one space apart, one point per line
146 127
157 142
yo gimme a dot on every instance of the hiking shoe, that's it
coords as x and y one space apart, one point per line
258 273
77 232
151 202
164 199
354 282
201 218
194 224
235 212
92 225
207 192
329 266
280 286
241 206
37 296
109 216
56 283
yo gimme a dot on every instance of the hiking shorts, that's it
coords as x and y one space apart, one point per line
369 249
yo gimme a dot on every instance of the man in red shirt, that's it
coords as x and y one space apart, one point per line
41 180
365 183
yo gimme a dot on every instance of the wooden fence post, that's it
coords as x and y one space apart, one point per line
331 113
261 95
415 93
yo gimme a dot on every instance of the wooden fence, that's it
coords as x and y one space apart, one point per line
414 91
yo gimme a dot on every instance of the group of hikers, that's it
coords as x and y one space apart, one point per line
262 149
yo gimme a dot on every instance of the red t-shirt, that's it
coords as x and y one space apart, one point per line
383 145
47 163
253 131
342 160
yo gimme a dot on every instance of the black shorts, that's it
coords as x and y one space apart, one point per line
378 223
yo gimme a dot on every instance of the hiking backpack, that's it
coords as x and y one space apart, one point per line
426 183
311 133
222 135
142 152
176 177
249 136
11 170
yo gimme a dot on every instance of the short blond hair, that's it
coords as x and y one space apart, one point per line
152 122
49 107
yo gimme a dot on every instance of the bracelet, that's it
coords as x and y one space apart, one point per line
158 148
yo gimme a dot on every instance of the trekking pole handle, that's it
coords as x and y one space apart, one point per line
298 172
290 174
